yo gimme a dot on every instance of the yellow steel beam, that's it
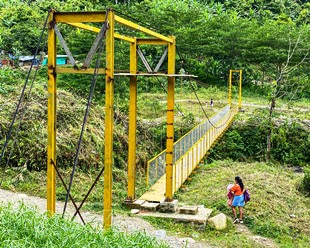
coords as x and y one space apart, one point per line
51 122
135 26
240 90
73 17
123 37
149 41
82 71
97 30
170 121
132 123
109 114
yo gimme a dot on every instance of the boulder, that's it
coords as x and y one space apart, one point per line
134 211
219 222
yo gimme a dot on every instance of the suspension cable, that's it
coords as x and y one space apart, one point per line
23 90
91 93
181 57
177 107
193 89
26 105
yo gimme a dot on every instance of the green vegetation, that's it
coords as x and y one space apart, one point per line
34 183
24 227
306 180
278 209
246 140
268 40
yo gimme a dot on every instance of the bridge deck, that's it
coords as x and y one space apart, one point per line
188 152
157 192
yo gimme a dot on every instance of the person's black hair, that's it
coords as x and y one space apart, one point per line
239 181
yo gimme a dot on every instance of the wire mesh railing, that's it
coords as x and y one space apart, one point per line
189 146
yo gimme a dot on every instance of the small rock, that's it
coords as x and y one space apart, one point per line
160 233
187 241
134 211
219 222
292 215
23 195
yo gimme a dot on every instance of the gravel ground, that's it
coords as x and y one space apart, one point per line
122 222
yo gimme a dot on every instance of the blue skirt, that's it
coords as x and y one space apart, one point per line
238 201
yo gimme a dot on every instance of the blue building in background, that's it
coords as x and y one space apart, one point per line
60 60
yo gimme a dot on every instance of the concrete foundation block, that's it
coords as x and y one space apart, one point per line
150 206
189 210
168 207
137 204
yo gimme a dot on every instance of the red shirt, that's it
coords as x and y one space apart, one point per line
236 189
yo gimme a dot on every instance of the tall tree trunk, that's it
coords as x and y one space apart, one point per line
270 125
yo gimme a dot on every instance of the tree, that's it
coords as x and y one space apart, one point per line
297 56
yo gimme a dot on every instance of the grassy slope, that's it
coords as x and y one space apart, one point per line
72 106
275 196
23 227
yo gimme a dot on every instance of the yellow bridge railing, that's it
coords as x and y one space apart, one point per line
191 148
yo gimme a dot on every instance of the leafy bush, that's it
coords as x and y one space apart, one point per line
246 140
306 180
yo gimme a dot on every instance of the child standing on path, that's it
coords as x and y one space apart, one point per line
237 190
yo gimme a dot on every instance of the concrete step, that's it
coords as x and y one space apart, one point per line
188 210
150 206
200 218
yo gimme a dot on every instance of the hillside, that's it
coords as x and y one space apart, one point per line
267 144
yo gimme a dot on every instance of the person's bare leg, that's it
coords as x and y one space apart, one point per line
241 213
234 212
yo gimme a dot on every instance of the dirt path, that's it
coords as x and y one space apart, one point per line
122 222
261 241
284 107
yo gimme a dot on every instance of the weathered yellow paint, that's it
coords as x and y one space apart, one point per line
170 121
109 114
62 70
97 30
149 41
240 90
76 17
51 119
137 27
132 123
124 38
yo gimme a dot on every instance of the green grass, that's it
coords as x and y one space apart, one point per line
34 183
24 227
275 196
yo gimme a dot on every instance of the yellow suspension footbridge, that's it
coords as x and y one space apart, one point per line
167 171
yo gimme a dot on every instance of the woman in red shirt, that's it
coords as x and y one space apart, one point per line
237 190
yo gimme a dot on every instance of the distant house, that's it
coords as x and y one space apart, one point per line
6 62
26 60
60 60
6 59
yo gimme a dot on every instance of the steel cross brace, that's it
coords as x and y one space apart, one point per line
64 45
65 186
146 64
